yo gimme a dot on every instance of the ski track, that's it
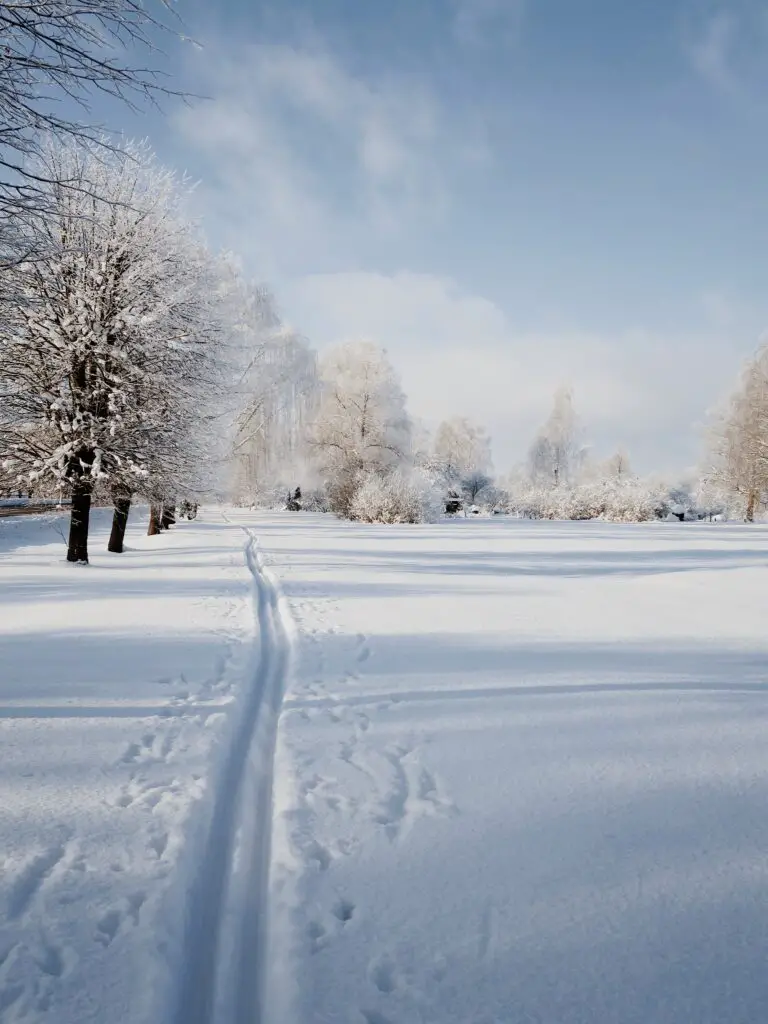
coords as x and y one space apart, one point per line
224 947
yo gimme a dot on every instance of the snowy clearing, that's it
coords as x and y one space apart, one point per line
127 788
520 773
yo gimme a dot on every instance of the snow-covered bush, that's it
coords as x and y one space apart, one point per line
396 498
315 500
491 499
268 496
341 490
615 501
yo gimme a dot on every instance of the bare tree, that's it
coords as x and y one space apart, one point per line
106 349
60 50
617 467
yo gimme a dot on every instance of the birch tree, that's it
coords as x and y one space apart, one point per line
108 343
740 437
277 396
555 455
362 425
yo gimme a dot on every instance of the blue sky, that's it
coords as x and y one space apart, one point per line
508 194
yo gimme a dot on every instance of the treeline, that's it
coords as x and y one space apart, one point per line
130 354
345 435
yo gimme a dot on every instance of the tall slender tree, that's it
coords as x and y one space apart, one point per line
740 437
555 455
276 394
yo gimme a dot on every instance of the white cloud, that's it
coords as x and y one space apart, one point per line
312 157
460 354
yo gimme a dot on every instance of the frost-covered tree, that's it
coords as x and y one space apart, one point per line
54 56
461 448
277 395
108 343
361 425
617 467
555 455
740 437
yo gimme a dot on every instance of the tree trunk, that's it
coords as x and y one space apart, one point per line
168 518
77 548
751 506
155 513
122 506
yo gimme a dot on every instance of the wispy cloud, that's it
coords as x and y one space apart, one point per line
480 21
304 150
710 50
459 352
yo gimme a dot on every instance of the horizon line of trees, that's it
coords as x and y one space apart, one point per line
136 363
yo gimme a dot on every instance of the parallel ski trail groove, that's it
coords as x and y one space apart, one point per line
224 944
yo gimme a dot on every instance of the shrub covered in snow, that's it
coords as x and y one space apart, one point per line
267 496
396 498
614 501
315 500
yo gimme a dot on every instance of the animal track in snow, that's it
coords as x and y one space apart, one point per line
319 853
30 879
110 923
413 793
53 960
147 794
9 994
316 933
382 974
158 843
343 910
151 749
374 1017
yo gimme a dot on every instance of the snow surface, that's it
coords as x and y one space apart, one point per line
122 773
520 774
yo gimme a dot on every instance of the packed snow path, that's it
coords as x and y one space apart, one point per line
138 707
522 774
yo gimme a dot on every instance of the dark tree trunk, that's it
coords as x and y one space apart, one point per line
122 506
155 514
77 548
168 518
751 506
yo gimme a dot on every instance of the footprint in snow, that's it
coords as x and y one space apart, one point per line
344 910
374 1017
382 974
110 923
30 879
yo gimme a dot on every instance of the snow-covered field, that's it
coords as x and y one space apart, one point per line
520 777
118 761
522 774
